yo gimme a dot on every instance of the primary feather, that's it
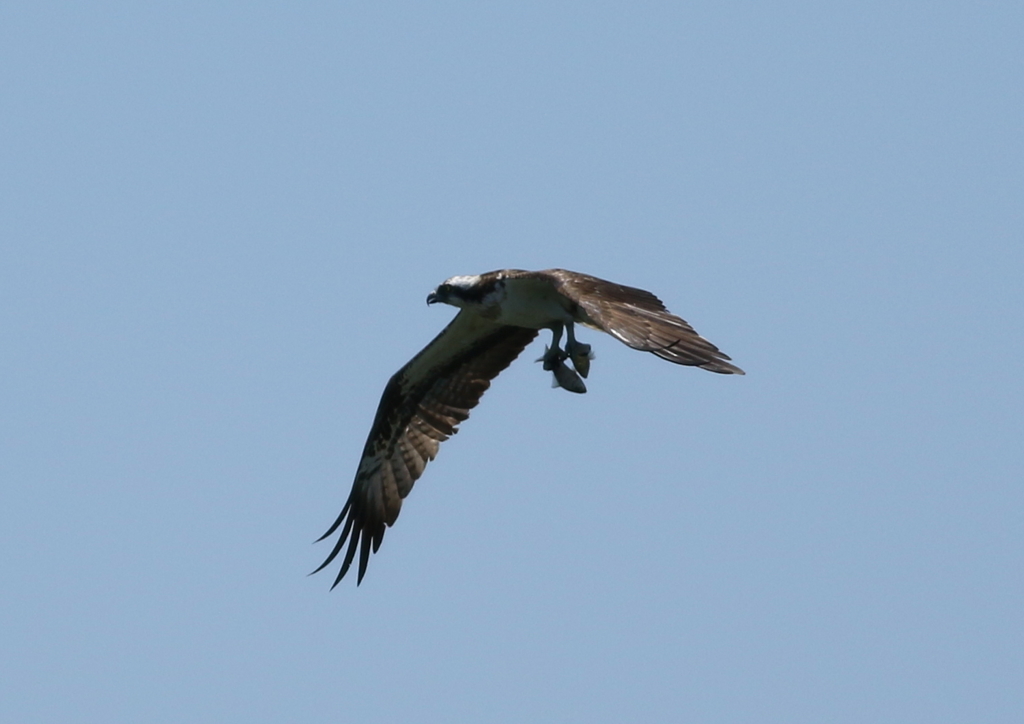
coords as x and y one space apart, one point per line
501 313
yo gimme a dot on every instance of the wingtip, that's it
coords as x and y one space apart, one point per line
722 368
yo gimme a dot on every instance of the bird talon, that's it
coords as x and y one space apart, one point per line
553 357
580 354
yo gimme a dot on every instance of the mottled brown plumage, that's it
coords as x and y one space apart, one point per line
416 414
639 319
501 313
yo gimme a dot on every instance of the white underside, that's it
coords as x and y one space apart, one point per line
532 303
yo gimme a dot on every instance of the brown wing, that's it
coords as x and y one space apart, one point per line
421 407
639 319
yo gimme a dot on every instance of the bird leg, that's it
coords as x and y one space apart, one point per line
554 361
553 355
579 353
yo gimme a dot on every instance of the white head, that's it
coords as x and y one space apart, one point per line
462 291
463 283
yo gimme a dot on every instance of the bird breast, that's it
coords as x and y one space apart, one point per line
531 303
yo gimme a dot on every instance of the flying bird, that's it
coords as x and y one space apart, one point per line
500 313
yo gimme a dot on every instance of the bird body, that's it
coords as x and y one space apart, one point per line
500 314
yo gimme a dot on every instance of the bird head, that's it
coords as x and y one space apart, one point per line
457 291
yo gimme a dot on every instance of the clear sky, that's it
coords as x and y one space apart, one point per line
219 223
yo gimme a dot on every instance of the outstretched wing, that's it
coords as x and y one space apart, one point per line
421 407
640 320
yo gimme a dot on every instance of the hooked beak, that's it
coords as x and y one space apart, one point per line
432 298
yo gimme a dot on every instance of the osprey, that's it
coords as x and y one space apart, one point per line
501 313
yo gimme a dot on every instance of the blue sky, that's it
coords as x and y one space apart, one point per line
219 223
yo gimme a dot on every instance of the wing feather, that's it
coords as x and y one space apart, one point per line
640 320
421 407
